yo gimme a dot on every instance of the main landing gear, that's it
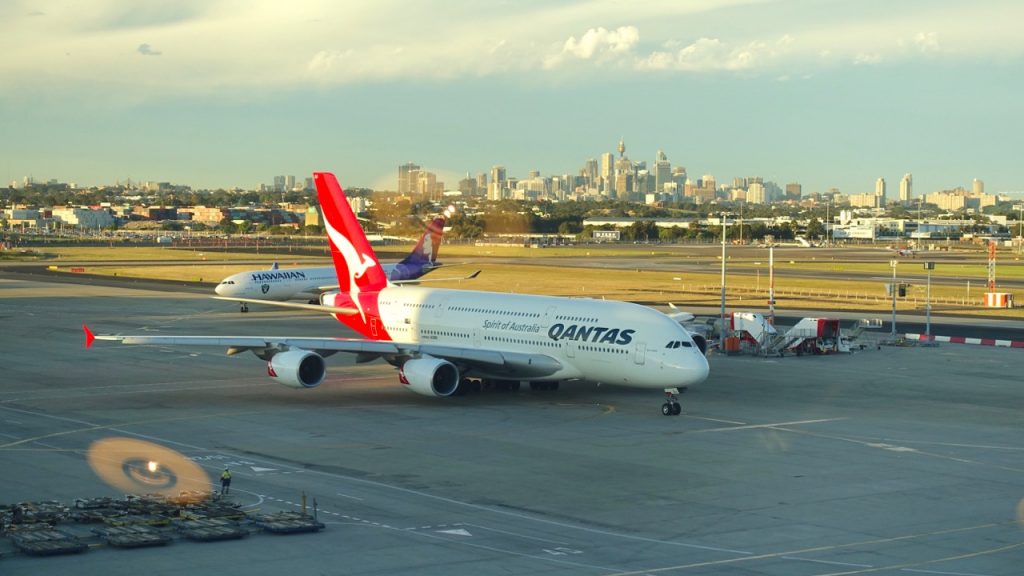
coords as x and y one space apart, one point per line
671 406
244 307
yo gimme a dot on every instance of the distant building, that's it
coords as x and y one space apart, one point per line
499 180
408 178
755 193
467 186
607 172
662 172
960 199
977 187
906 187
794 191
84 217
880 192
865 200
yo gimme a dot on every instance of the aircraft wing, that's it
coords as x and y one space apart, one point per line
295 305
432 279
522 364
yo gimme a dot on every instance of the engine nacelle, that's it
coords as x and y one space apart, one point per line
431 376
297 368
701 342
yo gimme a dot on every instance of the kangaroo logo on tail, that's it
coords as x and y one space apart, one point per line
356 264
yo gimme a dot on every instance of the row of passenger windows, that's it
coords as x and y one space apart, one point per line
486 311
444 333
544 343
575 319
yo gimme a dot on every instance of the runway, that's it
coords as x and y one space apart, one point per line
891 461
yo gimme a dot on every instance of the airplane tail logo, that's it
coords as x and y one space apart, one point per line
426 249
358 270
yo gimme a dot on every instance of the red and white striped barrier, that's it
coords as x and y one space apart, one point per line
965 340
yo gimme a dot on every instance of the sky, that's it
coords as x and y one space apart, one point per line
225 93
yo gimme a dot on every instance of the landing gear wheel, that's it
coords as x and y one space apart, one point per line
244 308
671 406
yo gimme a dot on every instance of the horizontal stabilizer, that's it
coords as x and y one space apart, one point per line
452 279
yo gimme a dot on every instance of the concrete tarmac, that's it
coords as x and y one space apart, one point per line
891 461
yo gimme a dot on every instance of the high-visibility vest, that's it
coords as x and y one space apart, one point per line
225 475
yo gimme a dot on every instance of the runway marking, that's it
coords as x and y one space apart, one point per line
772 555
906 567
958 445
775 425
890 447
518 535
352 497
833 562
720 420
95 427
940 572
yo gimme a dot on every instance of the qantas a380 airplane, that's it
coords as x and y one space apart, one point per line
279 284
449 341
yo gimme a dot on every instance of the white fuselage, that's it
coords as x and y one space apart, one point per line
594 340
282 284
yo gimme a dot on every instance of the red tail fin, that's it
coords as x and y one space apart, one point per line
354 259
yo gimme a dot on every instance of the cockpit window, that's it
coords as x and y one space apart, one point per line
679 343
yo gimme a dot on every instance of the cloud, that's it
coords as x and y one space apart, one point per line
927 42
597 44
146 50
219 49
709 54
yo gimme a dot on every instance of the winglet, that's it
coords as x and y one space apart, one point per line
89 336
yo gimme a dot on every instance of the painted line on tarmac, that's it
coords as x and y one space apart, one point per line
775 425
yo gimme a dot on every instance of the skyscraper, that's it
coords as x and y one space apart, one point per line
794 191
408 177
880 193
662 172
498 182
607 171
906 187
977 187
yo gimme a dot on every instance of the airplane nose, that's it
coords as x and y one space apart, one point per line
221 290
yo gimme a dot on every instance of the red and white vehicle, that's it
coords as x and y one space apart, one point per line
449 341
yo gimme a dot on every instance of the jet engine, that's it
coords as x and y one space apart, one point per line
297 368
431 376
700 341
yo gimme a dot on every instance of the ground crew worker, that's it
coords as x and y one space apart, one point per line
225 481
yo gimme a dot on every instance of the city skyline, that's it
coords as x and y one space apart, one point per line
822 93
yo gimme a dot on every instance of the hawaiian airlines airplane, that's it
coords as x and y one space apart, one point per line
446 342
310 283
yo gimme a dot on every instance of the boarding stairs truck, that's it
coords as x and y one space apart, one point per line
813 336
753 330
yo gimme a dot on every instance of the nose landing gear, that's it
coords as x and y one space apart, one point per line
671 406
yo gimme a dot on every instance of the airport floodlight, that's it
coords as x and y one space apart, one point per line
929 266
893 291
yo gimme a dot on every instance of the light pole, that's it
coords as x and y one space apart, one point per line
828 210
721 331
892 263
929 266
1020 226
